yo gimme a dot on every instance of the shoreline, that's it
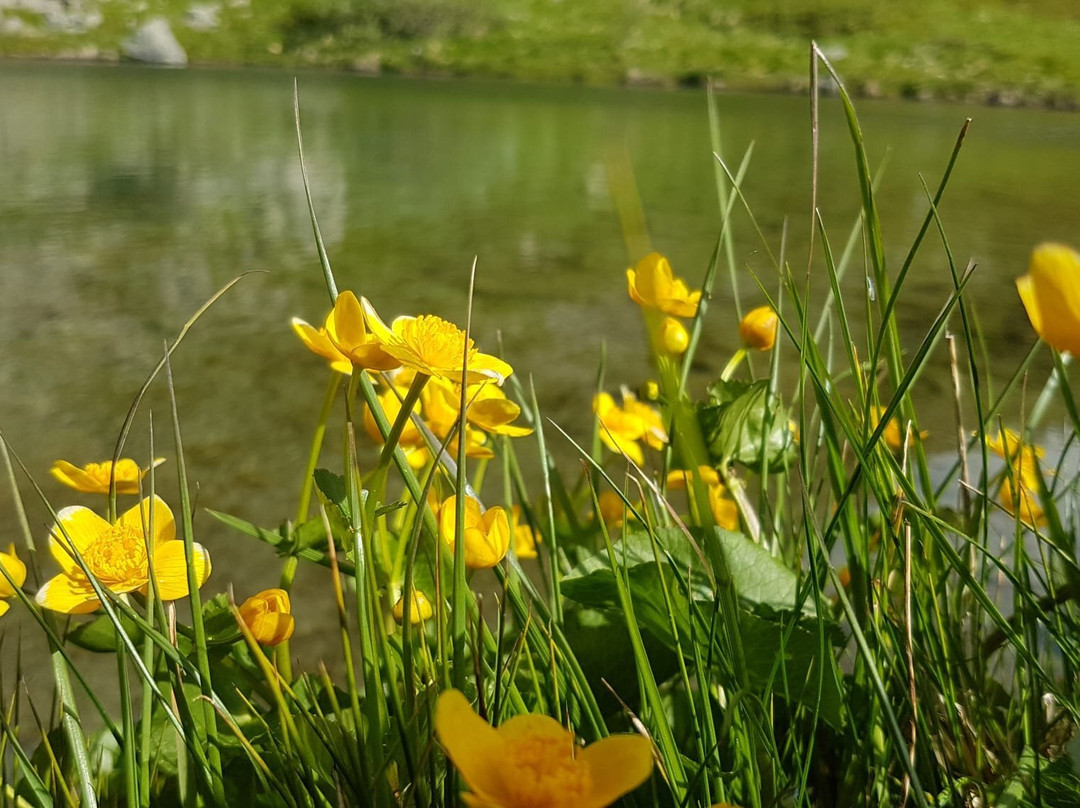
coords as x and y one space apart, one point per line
1001 97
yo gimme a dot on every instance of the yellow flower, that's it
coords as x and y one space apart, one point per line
487 408
653 285
412 443
724 509
116 555
681 478
419 610
622 427
487 533
1026 505
268 616
532 761
673 336
525 538
431 345
1023 457
758 328
613 509
93 478
1019 494
16 570
1051 294
892 435
344 340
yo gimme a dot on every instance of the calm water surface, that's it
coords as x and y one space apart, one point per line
128 196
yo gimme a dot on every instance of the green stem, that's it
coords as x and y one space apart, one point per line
316 448
733 364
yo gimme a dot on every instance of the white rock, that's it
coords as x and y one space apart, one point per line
154 43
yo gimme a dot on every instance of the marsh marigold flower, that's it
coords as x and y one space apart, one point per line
412 443
532 761
724 509
268 615
893 436
758 328
621 427
487 408
344 340
613 510
435 347
653 285
93 478
16 571
487 533
525 538
1051 294
1019 494
419 610
116 554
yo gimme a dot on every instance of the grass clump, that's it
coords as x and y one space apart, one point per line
755 594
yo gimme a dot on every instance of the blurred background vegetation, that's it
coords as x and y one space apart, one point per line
1006 52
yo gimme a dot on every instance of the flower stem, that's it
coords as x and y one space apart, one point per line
316 447
733 364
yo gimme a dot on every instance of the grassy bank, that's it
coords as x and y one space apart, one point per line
996 52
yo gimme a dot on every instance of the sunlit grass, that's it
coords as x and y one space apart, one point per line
756 593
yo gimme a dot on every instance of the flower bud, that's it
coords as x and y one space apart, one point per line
673 336
758 328
419 610
267 615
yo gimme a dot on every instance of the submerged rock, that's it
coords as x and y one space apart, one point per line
154 43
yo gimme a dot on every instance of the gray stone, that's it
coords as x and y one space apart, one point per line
154 44
202 17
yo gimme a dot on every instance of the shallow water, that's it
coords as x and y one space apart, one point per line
128 196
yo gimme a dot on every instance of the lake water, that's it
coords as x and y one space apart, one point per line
128 196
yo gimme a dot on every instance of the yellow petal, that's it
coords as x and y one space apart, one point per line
319 343
68 594
535 725
622 445
15 569
1026 287
74 477
487 367
170 569
345 324
375 324
3 607
138 518
617 765
1054 274
79 526
472 745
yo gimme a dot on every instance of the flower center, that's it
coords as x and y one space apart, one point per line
435 341
543 773
118 556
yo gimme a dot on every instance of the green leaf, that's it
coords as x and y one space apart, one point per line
744 423
99 635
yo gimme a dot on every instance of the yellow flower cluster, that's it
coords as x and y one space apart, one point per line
354 336
623 426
